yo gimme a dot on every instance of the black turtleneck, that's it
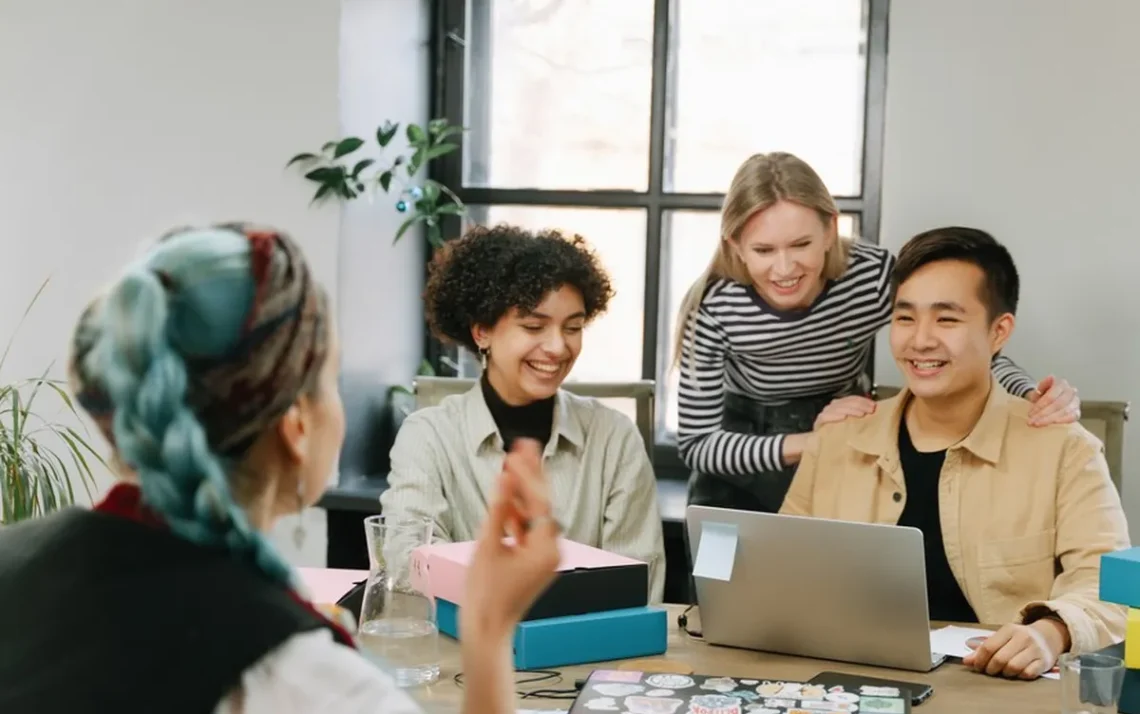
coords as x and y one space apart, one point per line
531 421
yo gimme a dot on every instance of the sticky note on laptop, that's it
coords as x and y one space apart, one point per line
716 551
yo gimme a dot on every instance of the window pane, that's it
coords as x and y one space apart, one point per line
692 239
557 94
774 75
612 344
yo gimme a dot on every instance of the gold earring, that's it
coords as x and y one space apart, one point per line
483 352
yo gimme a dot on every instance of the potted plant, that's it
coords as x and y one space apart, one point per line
344 169
41 457
340 172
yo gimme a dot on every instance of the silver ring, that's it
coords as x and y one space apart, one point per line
535 522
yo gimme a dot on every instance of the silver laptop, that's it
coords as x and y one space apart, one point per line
837 590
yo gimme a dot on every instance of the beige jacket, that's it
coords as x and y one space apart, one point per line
447 460
1026 511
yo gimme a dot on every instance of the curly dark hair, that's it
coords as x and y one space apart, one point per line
478 278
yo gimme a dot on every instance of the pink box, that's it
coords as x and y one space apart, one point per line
590 579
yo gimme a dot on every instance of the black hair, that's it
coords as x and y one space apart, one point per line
480 277
1000 284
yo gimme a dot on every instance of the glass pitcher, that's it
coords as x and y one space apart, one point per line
398 627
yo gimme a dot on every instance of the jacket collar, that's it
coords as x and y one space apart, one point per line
481 427
878 435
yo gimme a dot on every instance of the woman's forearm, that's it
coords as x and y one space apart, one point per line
793 448
488 671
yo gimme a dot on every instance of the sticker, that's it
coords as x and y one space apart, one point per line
761 709
867 691
883 705
659 693
849 697
750 682
669 681
770 689
812 691
724 685
821 706
652 705
602 704
790 690
714 704
784 703
746 694
800 711
617 689
615 675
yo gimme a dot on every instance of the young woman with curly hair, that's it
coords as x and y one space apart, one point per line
521 302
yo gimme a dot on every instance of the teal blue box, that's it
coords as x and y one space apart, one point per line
578 639
1120 577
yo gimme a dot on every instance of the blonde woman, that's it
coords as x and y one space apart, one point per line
774 336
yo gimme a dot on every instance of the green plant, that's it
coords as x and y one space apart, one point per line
340 172
37 474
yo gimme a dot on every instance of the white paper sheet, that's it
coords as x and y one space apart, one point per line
951 640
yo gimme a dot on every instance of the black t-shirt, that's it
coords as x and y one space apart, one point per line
529 421
921 470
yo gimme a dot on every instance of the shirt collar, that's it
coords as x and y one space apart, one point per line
878 435
481 425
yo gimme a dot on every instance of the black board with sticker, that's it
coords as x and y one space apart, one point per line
631 692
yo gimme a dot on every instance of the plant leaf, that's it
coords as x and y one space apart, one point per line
450 209
28 309
418 218
435 234
361 165
322 193
326 174
439 150
450 193
301 157
385 133
346 146
416 135
435 126
329 146
385 180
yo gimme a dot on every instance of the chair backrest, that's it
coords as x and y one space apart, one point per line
1104 419
430 390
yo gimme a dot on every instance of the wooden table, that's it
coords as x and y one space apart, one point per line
956 689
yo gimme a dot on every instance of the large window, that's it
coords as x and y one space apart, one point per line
624 120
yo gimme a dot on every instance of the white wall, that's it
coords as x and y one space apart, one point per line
1020 117
384 58
122 118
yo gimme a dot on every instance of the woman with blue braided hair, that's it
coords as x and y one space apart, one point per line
211 367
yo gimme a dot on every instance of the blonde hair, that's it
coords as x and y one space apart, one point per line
761 181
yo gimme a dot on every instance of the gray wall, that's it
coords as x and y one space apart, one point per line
1020 116
123 118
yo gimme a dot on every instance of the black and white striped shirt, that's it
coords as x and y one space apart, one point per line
742 345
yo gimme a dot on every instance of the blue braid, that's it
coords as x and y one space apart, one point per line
139 358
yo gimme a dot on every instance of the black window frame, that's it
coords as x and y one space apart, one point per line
452 30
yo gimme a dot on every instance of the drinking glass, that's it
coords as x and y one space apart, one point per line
1090 683
398 628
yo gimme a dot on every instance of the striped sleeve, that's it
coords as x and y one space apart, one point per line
702 442
1015 380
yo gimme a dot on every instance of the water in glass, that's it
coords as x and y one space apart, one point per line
398 627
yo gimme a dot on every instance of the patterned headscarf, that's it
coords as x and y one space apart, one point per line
284 342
